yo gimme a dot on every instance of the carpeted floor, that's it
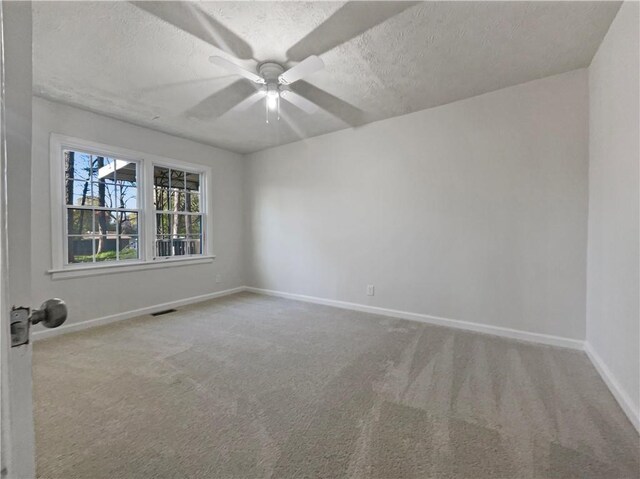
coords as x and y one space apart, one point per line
251 386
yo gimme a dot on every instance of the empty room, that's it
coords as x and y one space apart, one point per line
362 239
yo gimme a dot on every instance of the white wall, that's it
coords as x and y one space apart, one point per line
613 315
475 211
100 296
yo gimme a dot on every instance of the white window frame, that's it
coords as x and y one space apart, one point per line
146 219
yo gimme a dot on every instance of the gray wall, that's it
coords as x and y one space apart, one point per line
475 211
105 295
613 315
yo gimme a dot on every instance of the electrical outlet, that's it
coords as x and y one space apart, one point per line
370 290
218 278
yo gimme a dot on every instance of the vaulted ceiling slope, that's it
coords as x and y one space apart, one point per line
147 62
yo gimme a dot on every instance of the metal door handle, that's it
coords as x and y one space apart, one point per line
51 314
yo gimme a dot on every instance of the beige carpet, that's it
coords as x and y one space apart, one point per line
250 386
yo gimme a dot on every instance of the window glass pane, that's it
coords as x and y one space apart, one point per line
193 182
79 222
126 172
126 190
181 224
80 249
106 221
194 245
193 203
161 199
163 245
163 224
177 179
104 194
77 165
126 195
180 246
78 193
178 200
108 254
128 247
127 222
102 168
161 176
194 223
107 241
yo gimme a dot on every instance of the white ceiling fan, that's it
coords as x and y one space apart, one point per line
274 81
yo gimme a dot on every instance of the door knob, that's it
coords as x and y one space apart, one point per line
51 314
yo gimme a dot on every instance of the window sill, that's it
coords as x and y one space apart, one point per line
102 269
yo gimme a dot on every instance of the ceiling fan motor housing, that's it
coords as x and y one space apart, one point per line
270 71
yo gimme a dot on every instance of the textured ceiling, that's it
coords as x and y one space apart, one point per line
147 62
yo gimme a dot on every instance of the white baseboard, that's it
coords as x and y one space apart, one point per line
425 318
614 386
90 323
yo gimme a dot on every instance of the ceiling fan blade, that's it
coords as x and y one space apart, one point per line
232 67
249 101
299 101
346 23
221 101
333 105
194 19
186 84
306 67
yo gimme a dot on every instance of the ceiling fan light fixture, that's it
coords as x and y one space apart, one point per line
274 80
272 101
273 95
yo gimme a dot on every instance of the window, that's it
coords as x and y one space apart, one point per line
178 216
101 208
116 208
